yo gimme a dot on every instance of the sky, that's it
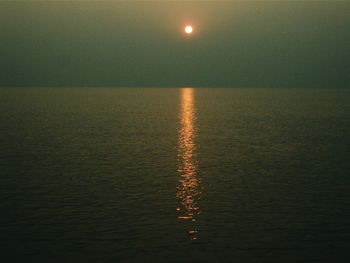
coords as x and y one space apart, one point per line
142 43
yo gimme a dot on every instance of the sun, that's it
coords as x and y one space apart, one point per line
188 29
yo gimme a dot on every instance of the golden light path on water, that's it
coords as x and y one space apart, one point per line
188 190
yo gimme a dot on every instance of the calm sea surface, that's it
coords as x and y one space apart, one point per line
174 175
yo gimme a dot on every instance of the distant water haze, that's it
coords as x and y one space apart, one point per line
129 175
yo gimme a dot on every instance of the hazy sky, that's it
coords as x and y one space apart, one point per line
141 43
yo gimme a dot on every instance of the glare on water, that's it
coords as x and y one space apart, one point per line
188 190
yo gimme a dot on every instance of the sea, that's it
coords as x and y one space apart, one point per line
174 174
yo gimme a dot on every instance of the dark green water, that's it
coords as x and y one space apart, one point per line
174 175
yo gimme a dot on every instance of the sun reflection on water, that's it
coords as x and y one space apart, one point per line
188 190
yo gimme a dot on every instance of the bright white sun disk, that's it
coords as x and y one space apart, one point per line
188 29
